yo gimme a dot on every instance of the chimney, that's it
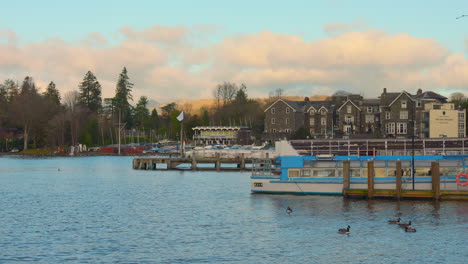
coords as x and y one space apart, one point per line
306 99
419 92
384 90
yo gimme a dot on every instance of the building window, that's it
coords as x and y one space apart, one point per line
288 130
369 118
388 115
287 121
403 104
348 109
323 121
272 121
274 130
311 131
369 109
273 111
403 114
402 128
312 111
287 110
324 112
419 103
390 128
312 121
349 119
347 129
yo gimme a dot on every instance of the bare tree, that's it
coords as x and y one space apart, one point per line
75 114
226 92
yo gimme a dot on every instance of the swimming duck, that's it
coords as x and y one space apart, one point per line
344 230
394 222
289 210
405 225
410 230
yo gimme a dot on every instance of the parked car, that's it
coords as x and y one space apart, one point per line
14 150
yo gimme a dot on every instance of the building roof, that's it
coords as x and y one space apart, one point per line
351 103
430 95
295 105
371 102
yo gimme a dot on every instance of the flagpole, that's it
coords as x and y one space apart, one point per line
182 138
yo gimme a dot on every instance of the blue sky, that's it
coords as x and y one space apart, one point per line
70 20
266 44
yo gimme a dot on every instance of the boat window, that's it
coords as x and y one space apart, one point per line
422 171
324 173
293 173
379 164
355 173
380 172
306 173
450 171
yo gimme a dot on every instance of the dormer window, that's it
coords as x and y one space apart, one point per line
369 109
273 111
324 112
312 111
287 110
403 104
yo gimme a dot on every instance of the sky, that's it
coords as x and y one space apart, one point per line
181 49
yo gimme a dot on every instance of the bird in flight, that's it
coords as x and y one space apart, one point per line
462 16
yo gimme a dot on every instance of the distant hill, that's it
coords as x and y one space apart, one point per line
195 106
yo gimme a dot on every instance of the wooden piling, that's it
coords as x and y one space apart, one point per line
218 162
194 163
370 179
242 162
435 173
346 177
398 176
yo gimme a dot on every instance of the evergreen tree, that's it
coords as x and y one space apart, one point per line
142 113
52 94
154 119
123 94
90 93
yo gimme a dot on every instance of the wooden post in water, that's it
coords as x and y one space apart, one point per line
194 163
218 162
135 163
242 164
398 179
346 177
370 179
435 173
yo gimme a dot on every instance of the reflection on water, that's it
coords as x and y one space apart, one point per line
98 209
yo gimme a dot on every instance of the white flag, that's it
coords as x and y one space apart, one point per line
180 117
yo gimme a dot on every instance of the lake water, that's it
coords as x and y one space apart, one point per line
99 210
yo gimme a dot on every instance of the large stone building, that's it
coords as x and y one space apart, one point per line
392 115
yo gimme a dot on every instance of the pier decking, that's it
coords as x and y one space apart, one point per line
207 164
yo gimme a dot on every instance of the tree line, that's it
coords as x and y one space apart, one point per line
49 120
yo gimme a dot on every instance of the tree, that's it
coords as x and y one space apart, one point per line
52 94
225 92
141 116
457 98
123 95
90 93
28 109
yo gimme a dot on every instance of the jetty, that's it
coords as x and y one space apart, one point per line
193 163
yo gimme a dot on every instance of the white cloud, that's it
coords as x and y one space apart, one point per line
176 62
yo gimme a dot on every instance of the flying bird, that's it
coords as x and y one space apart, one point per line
462 16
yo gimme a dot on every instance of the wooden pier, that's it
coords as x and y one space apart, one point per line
398 193
208 164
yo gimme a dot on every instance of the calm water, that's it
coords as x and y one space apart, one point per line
99 210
